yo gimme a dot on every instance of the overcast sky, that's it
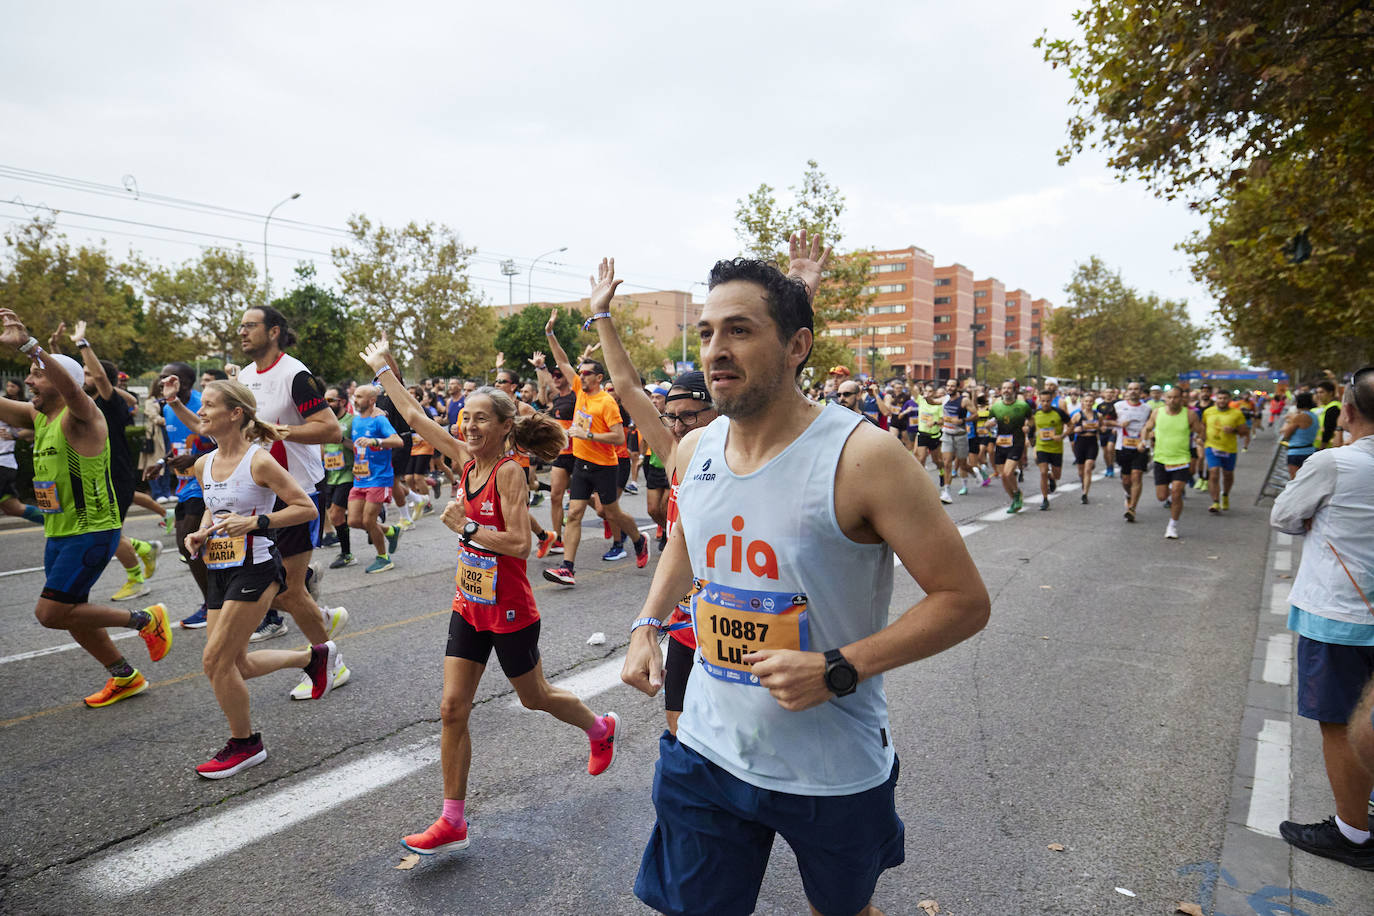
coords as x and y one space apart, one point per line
627 129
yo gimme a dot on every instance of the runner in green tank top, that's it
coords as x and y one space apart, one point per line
1172 427
73 490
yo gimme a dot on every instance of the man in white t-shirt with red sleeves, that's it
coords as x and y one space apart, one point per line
291 398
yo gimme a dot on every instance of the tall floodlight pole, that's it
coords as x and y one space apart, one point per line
529 280
509 270
266 271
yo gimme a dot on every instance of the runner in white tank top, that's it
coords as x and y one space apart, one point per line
245 573
789 517
291 399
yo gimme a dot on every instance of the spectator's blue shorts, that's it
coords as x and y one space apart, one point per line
1331 679
714 833
73 563
1224 460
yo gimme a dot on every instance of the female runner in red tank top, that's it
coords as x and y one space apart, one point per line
493 607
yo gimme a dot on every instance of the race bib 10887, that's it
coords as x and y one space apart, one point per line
732 622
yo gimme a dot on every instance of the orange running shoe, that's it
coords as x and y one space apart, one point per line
440 837
544 544
116 689
157 633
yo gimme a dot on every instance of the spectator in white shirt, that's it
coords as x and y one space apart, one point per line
1331 501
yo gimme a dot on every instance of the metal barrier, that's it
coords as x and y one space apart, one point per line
1277 476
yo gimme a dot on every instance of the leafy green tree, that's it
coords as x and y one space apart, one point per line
1109 331
46 281
413 282
763 226
1260 114
522 333
329 332
197 306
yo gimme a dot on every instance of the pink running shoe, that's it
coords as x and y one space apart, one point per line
603 751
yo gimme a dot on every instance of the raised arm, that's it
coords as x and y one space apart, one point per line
103 386
80 408
377 356
623 373
807 260
171 394
560 357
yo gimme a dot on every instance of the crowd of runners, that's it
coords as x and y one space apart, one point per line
769 690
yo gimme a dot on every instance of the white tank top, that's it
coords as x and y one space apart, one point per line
272 388
240 495
763 548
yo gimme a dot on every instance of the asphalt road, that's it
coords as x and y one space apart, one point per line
1100 710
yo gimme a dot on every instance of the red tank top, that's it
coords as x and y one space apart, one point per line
492 590
685 635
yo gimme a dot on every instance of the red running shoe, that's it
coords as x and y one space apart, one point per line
603 751
237 755
322 668
642 551
440 837
606 529
560 574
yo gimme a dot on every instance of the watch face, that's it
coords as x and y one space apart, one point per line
842 678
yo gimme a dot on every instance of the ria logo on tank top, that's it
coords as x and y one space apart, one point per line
705 466
763 562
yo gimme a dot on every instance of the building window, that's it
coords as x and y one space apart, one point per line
1013 303
887 268
942 281
885 288
942 300
980 310
942 354
943 319
980 343
886 309
980 294
941 338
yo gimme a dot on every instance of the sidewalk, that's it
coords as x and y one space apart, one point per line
1279 776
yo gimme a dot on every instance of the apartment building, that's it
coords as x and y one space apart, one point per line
953 303
989 318
898 323
1017 333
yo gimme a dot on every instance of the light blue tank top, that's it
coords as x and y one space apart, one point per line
1301 442
766 550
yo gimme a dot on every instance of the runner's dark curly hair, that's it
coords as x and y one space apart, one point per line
788 303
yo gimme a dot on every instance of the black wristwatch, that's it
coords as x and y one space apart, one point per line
264 523
470 529
840 675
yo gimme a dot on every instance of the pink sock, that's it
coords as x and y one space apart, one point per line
598 731
453 811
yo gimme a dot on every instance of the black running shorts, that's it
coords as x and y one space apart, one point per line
517 652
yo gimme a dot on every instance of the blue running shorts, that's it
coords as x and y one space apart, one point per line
714 833
73 563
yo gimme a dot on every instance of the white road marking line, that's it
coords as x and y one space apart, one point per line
152 862
966 530
39 653
20 572
1269 797
1278 659
1278 598
1282 539
1283 560
994 516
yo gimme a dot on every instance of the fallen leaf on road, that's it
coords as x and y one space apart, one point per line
409 862
1044 637
1056 847
1047 586
1284 576
1125 893
1192 909
1213 558
929 907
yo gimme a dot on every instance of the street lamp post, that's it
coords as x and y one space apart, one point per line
266 271
529 279
509 270
975 328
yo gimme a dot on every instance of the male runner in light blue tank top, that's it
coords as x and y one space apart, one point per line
792 627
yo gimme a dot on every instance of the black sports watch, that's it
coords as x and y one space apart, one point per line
840 676
264 523
470 529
